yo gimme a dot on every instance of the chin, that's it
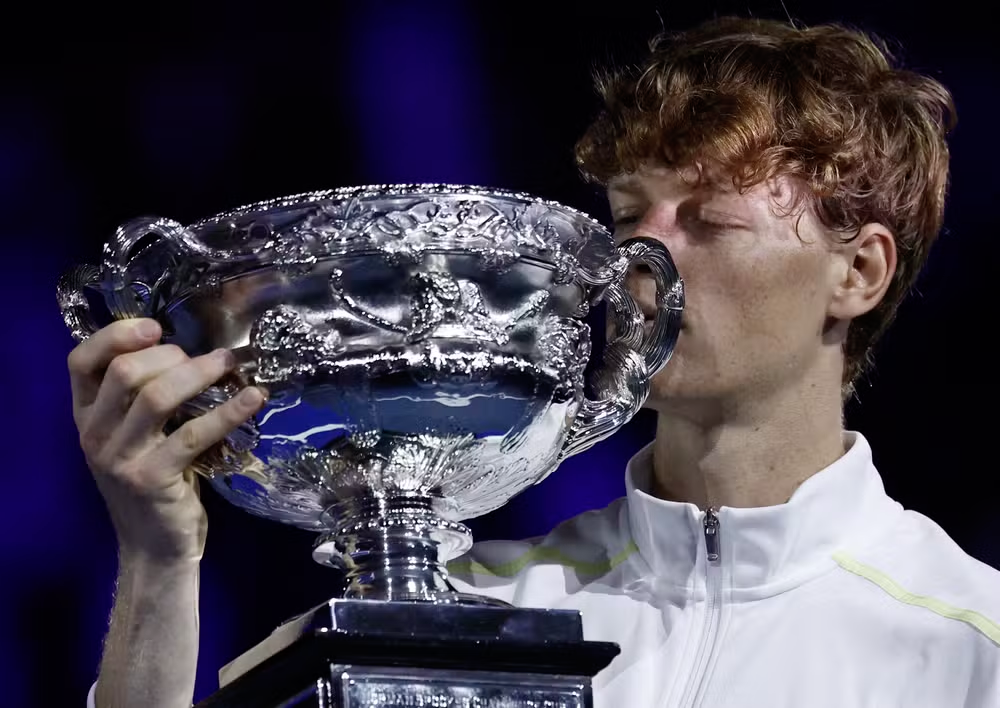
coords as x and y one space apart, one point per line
679 387
669 385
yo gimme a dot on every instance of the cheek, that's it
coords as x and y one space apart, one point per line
774 296
797 288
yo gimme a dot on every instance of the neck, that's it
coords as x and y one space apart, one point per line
752 455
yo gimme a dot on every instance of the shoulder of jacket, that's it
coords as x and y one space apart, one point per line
918 565
591 544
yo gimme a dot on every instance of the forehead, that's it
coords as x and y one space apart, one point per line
665 181
657 183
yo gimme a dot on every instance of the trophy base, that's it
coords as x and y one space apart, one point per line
364 653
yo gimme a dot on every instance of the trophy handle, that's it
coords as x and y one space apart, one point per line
123 298
120 251
633 357
128 243
73 303
126 301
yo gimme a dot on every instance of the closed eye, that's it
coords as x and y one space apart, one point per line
716 225
706 221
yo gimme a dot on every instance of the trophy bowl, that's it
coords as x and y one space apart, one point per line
423 347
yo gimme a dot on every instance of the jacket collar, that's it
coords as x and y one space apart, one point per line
841 506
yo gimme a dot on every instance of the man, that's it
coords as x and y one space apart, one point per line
798 179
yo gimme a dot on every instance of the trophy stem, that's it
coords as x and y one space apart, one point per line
394 548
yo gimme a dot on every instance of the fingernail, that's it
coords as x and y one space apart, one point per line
251 397
148 329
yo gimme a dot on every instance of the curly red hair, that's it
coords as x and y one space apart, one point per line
827 104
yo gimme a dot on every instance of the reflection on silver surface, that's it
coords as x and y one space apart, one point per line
424 350
389 687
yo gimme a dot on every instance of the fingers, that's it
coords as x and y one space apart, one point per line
160 398
125 376
196 436
90 358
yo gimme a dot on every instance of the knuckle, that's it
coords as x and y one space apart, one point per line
124 477
190 438
76 362
123 370
156 397
90 443
102 464
103 467
172 351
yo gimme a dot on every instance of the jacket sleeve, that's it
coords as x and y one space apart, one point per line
984 691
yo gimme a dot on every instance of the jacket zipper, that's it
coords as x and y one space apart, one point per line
697 685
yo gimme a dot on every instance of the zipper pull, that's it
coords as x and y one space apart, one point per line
712 534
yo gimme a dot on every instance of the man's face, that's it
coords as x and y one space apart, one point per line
758 283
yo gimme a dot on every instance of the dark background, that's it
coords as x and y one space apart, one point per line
184 112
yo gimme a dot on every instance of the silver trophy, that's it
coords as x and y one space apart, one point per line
424 349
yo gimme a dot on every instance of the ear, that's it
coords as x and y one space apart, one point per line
869 263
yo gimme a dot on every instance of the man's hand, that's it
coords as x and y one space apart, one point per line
126 387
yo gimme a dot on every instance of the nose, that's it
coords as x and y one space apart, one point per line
664 221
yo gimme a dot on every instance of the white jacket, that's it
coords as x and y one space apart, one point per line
837 599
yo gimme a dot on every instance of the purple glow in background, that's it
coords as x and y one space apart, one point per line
185 115
417 78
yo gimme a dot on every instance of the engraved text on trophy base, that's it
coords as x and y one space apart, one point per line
361 687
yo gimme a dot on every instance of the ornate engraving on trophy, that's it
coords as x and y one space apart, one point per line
289 345
442 306
503 233
424 349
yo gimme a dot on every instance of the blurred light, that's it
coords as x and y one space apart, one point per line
416 92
